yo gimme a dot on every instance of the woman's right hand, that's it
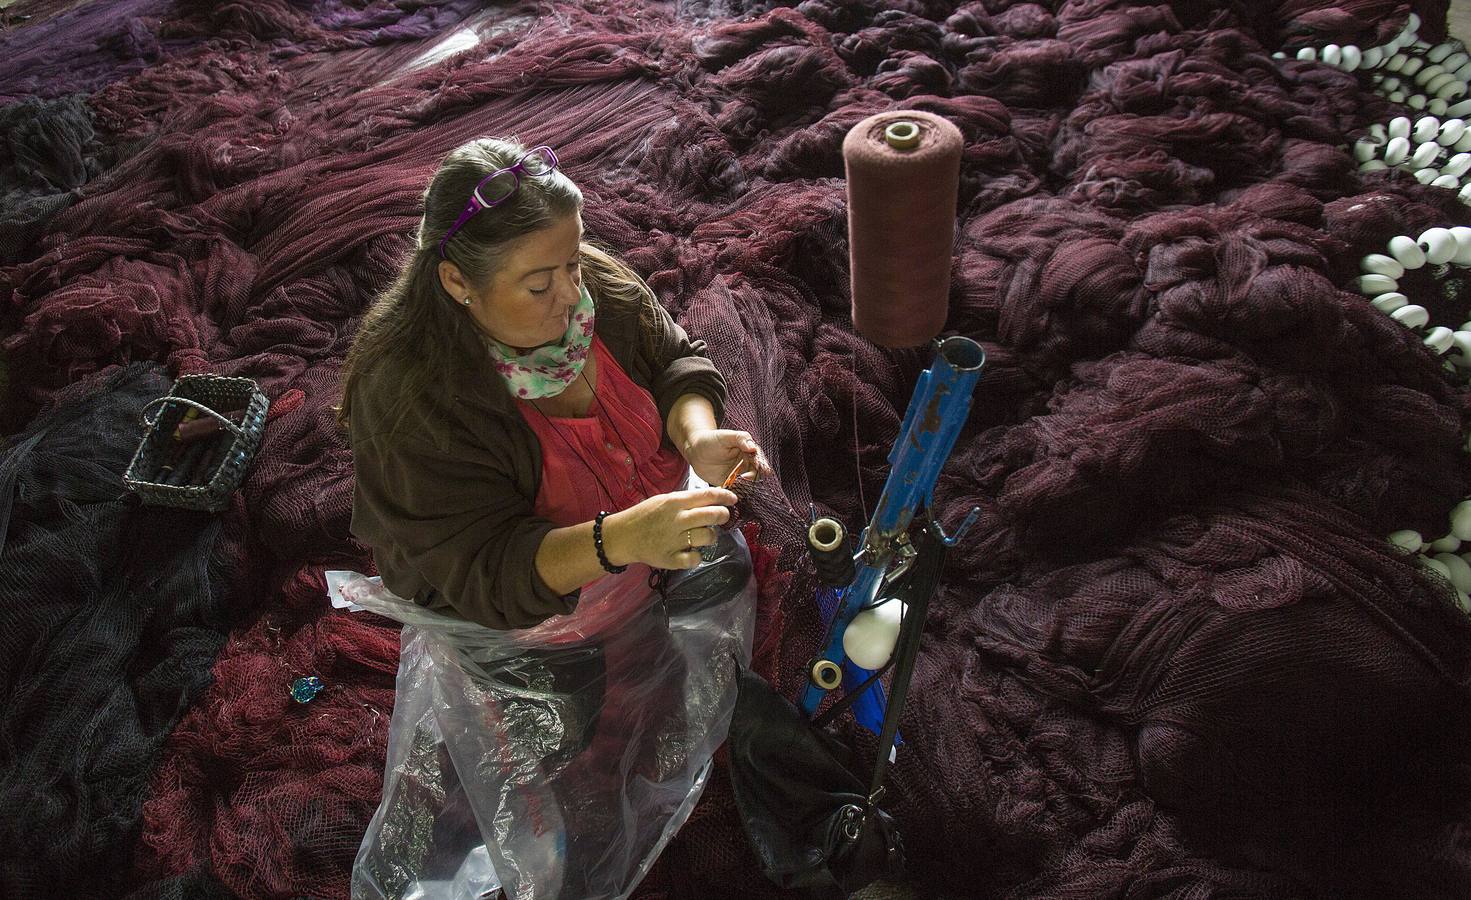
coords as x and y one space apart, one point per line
667 531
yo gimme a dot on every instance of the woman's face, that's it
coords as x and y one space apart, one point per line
530 301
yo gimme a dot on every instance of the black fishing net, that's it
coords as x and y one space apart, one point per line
113 614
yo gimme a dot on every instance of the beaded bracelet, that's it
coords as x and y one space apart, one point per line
597 539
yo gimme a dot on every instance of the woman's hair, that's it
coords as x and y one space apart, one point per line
415 322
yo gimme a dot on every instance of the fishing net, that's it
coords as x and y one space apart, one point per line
1175 656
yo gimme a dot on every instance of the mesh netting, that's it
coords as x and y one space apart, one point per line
275 794
114 614
50 151
1175 656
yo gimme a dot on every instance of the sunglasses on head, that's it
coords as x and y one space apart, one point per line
500 185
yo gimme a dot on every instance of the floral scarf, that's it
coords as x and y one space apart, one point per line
550 369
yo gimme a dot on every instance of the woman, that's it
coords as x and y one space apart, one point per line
522 411
524 416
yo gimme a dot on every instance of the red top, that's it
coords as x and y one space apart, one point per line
617 448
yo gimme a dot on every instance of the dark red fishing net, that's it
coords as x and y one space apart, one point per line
1174 657
271 796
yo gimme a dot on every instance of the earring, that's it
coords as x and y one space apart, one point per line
466 301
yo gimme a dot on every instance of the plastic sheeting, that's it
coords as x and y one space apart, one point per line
555 761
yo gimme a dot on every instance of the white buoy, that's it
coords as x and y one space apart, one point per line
1451 91
1404 249
1439 245
1457 165
1426 74
1373 57
1399 126
1450 131
1417 101
1439 339
1437 106
1366 149
1307 54
1396 150
1373 165
1462 234
1461 520
1436 566
1413 65
1332 54
1388 303
1426 154
1379 264
1449 182
1411 316
1350 58
1461 344
1440 51
1424 77
1433 86
1457 110
1374 285
1425 129
1459 569
1407 539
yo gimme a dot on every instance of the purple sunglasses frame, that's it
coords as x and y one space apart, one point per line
477 203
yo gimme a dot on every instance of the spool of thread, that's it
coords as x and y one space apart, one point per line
184 469
827 540
903 172
201 428
213 458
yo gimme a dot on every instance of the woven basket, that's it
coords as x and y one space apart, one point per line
216 465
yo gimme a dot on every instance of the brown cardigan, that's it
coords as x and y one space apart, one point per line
446 499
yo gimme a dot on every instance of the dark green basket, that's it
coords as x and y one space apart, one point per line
222 458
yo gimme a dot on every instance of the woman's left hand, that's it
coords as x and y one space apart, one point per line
714 452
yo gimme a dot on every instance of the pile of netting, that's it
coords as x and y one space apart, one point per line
1174 657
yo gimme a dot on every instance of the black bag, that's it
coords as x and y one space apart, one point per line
811 821
807 815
